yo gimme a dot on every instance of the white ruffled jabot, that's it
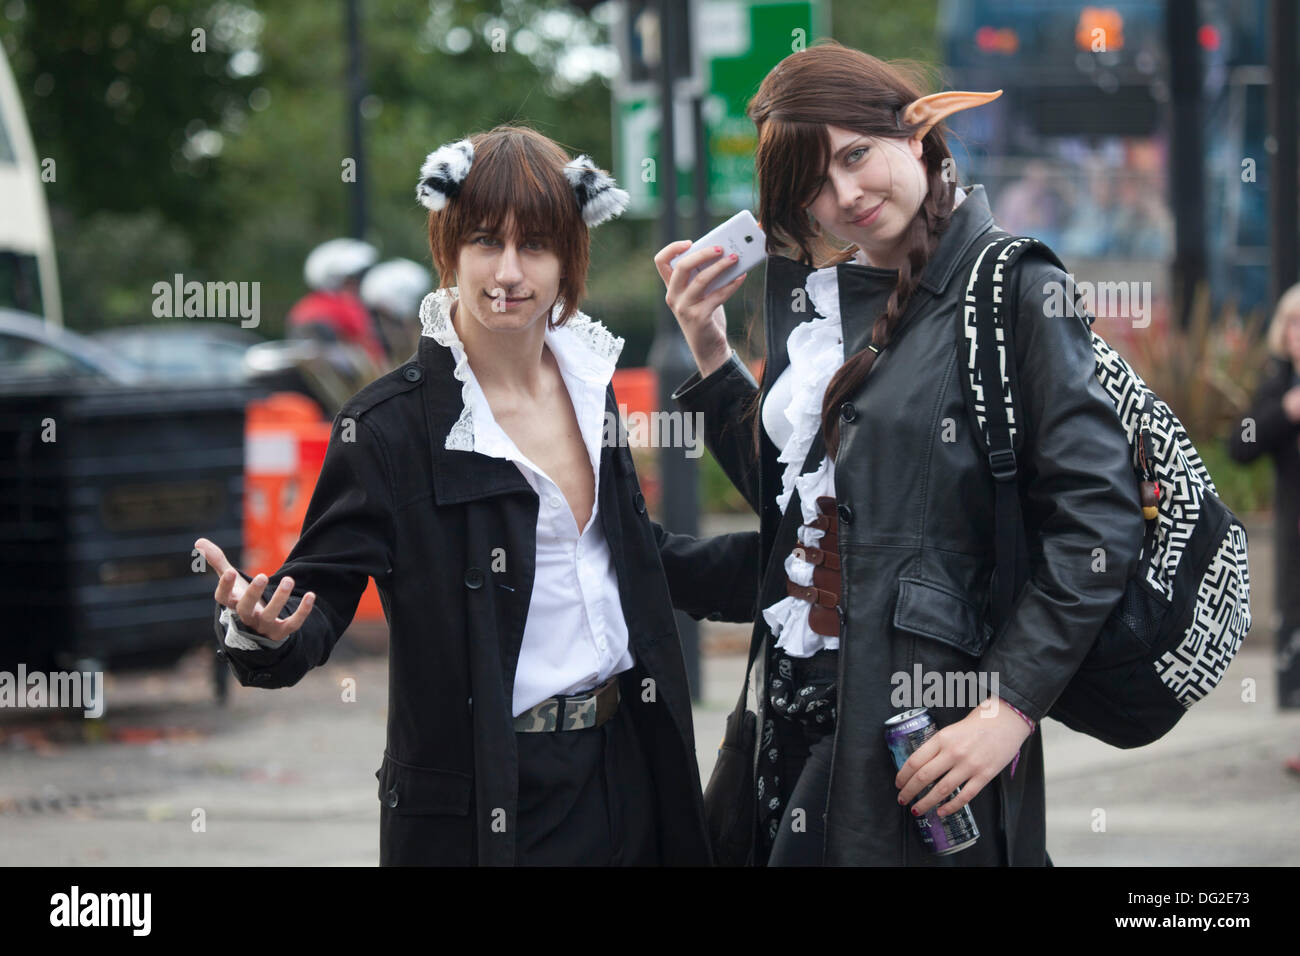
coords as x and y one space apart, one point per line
603 346
816 350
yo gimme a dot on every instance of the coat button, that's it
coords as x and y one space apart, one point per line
412 373
390 798
222 655
639 503
473 579
848 412
846 513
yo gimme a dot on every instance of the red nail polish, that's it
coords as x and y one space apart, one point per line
717 248
915 813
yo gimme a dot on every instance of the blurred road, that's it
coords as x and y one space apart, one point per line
287 777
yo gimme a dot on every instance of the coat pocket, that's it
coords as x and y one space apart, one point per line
404 789
932 611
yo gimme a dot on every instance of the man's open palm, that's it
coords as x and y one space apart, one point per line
242 597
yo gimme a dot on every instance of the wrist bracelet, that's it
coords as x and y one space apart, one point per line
1031 724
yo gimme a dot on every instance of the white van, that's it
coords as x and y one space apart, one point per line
29 277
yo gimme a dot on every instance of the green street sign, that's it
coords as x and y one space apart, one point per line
736 43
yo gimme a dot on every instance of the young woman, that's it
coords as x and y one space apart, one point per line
876 503
538 710
1276 413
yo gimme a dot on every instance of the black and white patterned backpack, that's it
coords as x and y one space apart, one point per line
1186 608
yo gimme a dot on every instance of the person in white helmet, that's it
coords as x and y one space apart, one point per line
392 291
333 309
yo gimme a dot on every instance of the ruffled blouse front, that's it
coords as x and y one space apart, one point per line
816 350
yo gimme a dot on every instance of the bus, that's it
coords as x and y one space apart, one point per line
1075 151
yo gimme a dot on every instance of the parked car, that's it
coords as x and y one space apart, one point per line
33 350
201 353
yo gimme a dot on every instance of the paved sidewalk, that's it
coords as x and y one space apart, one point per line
287 776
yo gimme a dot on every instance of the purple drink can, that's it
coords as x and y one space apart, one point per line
904 734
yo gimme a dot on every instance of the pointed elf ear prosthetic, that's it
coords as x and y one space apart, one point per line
445 169
933 109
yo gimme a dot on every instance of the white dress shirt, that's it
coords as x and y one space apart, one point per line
575 636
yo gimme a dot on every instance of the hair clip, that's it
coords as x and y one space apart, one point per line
444 171
442 174
598 195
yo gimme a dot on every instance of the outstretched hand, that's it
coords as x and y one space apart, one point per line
241 596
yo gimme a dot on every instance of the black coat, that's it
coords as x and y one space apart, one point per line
1276 435
916 531
449 538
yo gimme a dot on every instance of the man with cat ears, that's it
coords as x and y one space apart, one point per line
538 709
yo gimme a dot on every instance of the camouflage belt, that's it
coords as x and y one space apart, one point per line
579 712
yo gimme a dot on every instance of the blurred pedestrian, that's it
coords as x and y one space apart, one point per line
392 291
332 311
1272 427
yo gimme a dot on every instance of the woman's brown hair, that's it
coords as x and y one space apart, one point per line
831 85
517 171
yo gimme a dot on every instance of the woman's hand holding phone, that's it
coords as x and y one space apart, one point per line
699 313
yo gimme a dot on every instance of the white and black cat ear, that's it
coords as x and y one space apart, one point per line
442 174
599 197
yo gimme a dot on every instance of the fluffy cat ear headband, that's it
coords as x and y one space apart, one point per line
445 169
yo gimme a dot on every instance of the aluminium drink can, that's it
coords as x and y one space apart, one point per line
904 734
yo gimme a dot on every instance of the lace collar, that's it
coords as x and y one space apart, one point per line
594 359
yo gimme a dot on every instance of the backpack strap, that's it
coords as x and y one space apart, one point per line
985 339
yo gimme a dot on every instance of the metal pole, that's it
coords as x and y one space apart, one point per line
701 180
1282 95
1186 156
356 91
669 354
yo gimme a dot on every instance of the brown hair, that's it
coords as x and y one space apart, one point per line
831 85
516 170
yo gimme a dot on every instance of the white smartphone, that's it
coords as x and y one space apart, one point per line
739 234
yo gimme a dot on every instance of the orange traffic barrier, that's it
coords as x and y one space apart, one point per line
285 437
637 389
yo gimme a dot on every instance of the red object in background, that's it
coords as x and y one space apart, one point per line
343 312
636 390
285 437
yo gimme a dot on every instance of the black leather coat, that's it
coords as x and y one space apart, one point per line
449 538
916 531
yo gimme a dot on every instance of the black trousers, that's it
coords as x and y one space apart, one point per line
802 838
586 798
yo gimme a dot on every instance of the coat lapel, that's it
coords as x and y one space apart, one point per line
458 476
